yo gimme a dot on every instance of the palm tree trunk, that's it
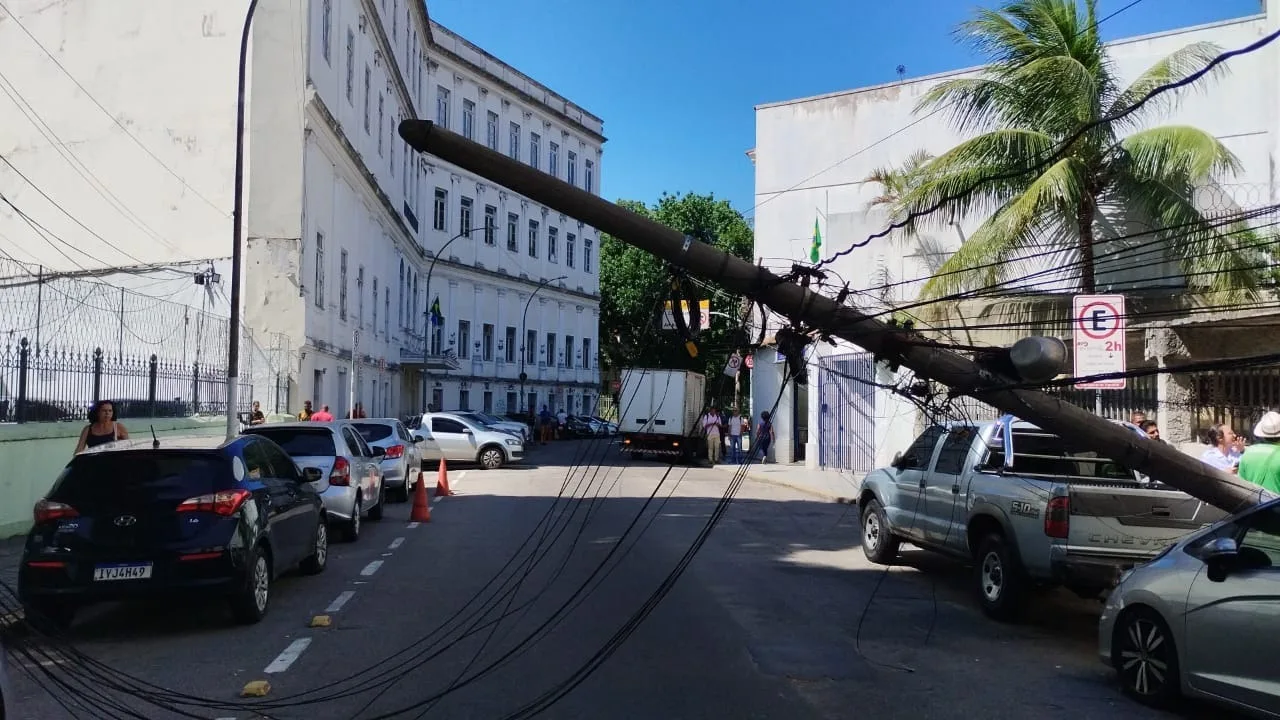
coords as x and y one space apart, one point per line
1084 223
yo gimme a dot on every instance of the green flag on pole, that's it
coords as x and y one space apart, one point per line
815 250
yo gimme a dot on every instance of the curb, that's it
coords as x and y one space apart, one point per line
806 489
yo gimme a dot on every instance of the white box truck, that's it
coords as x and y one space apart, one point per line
658 412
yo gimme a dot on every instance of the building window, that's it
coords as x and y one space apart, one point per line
571 172
490 225
464 216
464 339
553 242
551 350
360 296
464 400
469 119
586 254
531 347
413 314
374 325
570 247
342 285
553 159
439 217
368 82
589 176
513 141
351 67
535 149
568 351
326 31
513 232
381 120
392 164
511 344
486 342
395 15
492 131
437 340
533 238
442 106
386 312
403 305
586 353
319 291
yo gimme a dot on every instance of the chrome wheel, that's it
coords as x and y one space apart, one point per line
1144 657
992 578
871 532
355 518
261 584
491 459
322 545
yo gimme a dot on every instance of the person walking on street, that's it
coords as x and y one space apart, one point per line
735 437
764 435
711 428
102 427
1260 464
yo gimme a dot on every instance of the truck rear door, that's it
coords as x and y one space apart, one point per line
1131 521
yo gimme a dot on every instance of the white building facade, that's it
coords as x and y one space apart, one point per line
344 225
811 159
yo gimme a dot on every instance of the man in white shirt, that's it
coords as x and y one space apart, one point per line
711 428
735 437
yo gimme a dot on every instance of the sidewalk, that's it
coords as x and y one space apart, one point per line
828 484
10 554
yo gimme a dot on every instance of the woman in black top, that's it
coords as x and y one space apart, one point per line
102 427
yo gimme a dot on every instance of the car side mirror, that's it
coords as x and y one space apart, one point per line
468 431
418 438
1219 555
897 460
312 474
378 451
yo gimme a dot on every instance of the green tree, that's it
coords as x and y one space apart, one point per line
634 284
1048 76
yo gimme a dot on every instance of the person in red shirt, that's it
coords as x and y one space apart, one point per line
322 416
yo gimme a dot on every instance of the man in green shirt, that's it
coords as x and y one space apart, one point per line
1260 463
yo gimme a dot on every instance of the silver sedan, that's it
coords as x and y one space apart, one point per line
1202 618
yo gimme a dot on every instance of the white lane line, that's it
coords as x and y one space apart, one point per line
341 600
413 525
396 543
371 568
288 657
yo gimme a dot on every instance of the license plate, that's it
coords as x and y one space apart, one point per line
126 571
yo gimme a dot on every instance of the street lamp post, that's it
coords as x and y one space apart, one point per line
237 234
426 314
523 336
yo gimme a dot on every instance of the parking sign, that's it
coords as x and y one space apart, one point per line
1099 329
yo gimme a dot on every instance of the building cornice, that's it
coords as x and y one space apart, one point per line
406 236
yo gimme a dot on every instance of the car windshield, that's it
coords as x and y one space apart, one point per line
102 480
476 418
300 442
373 432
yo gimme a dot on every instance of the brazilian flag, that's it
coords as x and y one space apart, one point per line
815 250
437 318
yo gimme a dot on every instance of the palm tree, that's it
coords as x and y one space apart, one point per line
1049 75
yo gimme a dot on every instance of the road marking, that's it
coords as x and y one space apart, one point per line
339 601
413 525
288 657
371 568
396 543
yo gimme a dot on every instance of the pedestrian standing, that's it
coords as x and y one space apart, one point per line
307 412
735 436
323 416
1221 453
1260 464
102 428
764 435
711 429
256 416
546 424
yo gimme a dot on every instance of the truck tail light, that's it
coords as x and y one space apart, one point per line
1057 517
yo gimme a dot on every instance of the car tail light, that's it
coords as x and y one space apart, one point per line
394 452
341 474
1057 517
224 503
48 511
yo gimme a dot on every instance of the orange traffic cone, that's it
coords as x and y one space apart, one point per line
442 482
421 504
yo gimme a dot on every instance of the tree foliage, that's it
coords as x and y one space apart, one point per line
634 284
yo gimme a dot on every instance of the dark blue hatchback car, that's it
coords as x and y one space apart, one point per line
196 515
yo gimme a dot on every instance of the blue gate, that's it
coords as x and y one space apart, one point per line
846 413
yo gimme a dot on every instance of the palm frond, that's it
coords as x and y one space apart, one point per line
1180 154
1174 67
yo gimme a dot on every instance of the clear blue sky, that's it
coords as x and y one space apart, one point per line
676 80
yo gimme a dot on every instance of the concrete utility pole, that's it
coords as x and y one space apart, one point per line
1158 460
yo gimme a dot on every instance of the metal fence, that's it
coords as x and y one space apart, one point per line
1237 397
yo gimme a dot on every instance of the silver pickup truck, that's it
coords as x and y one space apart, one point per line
1029 509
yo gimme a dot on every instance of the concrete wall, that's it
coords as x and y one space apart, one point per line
33 454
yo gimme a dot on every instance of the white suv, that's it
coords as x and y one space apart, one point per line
456 438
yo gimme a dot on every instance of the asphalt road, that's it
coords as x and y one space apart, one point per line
778 616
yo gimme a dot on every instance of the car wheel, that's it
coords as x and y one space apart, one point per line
492 458
1002 586
353 525
51 617
1145 658
319 558
375 512
403 494
249 604
879 544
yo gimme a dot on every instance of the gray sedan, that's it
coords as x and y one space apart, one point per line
1202 618
401 459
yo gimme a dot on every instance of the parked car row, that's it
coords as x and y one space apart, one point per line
226 518
1192 598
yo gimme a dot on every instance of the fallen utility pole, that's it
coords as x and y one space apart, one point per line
1158 460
